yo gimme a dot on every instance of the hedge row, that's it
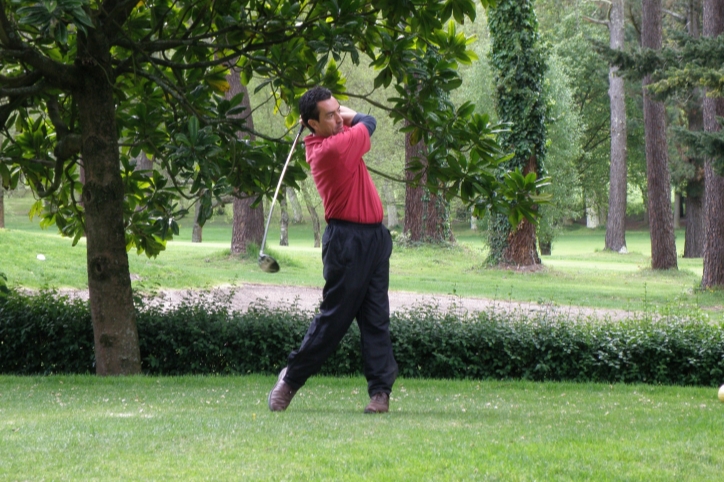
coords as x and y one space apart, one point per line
47 333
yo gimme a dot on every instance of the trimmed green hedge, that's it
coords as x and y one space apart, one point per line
47 333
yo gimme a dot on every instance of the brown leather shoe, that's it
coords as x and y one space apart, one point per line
281 395
379 403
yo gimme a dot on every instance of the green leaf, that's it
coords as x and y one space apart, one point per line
193 127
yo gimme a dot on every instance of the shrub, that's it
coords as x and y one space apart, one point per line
45 333
48 333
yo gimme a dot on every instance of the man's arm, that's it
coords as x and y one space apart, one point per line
347 115
350 118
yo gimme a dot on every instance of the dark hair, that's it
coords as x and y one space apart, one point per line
308 103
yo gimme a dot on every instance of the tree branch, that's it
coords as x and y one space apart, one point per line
680 18
42 192
67 144
595 20
56 73
114 14
20 81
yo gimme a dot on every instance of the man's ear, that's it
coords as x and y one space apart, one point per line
312 124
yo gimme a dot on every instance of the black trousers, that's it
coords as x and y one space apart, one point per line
356 261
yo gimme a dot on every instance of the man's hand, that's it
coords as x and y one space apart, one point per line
347 115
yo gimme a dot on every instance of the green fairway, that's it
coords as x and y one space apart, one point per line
219 428
578 272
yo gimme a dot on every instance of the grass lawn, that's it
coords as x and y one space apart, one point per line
219 428
577 273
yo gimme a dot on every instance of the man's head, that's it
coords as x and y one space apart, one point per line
320 112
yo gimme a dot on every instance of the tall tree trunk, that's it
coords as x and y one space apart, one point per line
694 194
414 207
616 223
437 225
248 226
425 213
197 235
307 198
109 280
521 249
661 217
284 225
248 221
2 207
296 207
694 237
391 207
677 210
714 205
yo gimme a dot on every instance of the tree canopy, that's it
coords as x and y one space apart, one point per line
689 63
167 67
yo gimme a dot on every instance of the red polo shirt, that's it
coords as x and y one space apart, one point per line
341 176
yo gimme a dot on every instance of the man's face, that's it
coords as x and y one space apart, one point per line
330 120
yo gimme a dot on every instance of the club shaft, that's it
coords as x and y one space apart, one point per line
276 193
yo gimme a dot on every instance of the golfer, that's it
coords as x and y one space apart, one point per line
356 250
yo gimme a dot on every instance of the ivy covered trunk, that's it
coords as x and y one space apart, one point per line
109 282
661 217
713 275
519 62
616 222
521 243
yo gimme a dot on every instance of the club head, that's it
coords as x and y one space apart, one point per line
268 264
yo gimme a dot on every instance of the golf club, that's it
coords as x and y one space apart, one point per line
266 262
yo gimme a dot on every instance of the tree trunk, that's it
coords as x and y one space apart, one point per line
109 281
616 222
2 206
425 213
307 198
389 194
677 210
694 237
437 226
546 248
714 204
661 217
413 227
284 225
296 207
248 222
248 226
521 249
197 235
694 194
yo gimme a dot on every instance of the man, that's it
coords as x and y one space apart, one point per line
356 250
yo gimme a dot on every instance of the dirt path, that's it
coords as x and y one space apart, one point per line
308 299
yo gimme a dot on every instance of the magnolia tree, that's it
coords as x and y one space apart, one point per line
88 85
